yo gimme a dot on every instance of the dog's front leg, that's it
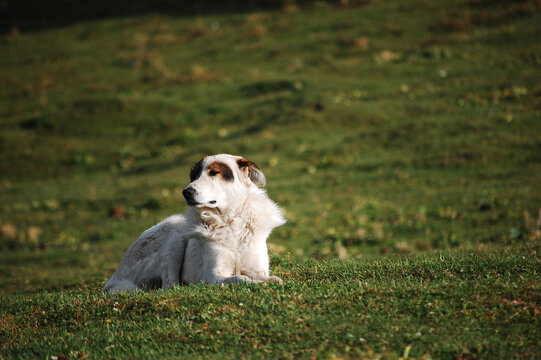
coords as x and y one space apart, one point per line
256 265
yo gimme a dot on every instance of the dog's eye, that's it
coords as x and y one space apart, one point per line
213 173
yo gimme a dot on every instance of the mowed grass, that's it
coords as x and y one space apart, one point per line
464 304
402 140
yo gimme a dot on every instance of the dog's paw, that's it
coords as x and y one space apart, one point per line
237 279
241 278
276 279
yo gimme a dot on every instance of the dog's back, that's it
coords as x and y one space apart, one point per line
144 265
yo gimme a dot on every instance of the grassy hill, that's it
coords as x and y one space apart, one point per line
402 139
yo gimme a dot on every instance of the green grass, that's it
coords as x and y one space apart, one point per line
466 304
402 139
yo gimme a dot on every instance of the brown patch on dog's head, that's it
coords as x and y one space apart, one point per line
196 170
219 168
253 171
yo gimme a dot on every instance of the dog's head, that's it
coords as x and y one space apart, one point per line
218 181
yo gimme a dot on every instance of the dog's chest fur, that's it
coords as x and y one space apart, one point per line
231 243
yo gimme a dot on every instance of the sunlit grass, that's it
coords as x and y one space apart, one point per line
393 135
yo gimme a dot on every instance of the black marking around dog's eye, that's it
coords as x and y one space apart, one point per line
196 171
220 168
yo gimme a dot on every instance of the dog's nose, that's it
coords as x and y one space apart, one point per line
188 193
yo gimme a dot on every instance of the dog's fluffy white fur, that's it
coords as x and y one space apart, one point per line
221 239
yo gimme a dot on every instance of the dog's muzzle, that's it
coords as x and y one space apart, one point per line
189 195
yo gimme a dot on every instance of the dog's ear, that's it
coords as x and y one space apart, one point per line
252 171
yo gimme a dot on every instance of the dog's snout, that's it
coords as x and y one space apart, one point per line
188 193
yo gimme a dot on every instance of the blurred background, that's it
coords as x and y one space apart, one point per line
383 127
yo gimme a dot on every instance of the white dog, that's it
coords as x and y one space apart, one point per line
220 240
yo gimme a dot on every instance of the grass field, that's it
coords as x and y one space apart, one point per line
402 140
